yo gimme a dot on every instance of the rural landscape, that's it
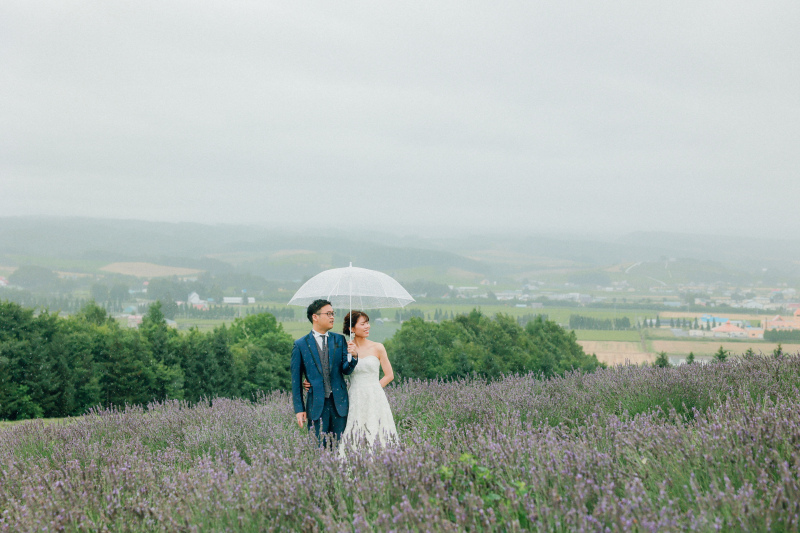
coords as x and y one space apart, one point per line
410 267
544 384
627 299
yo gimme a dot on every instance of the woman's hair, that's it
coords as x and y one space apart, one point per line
352 319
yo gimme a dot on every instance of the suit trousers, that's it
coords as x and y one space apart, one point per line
329 424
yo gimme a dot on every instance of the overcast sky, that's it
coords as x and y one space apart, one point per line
527 116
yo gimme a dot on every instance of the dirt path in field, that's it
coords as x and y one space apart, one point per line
617 352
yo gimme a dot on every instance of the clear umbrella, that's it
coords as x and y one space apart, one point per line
353 287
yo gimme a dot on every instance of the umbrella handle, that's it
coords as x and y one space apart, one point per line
350 314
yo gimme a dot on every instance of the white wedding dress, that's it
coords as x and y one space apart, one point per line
370 417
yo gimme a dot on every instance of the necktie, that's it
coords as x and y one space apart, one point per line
326 369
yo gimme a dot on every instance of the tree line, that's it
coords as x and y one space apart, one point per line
476 344
588 322
58 366
774 335
53 366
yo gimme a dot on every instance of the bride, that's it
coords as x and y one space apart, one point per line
370 416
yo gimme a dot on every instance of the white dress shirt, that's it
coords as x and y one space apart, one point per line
318 337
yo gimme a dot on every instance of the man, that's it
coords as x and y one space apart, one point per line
324 357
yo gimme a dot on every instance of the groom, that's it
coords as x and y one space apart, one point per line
324 358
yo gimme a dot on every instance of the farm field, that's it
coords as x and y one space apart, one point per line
148 270
605 335
612 347
678 347
622 449
617 353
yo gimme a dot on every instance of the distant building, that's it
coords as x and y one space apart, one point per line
711 319
3 282
783 324
195 301
754 333
729 330
237 300
508 295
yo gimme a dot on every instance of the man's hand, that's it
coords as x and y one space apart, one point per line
306 384
352 350
301 418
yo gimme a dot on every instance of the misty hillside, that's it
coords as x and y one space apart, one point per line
87 244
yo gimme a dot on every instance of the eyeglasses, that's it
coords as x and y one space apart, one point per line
330 314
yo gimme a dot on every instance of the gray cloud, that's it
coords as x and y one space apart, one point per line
612 116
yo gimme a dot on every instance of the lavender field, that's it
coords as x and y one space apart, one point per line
699 447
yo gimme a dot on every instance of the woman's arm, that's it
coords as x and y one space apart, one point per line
388 373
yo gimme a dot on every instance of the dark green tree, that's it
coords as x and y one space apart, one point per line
35 278
721 354
118 294
489 347
99 292
260 352
662 361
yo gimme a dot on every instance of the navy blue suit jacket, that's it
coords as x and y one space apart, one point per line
306 361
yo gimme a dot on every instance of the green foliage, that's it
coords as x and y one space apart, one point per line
587 322
775 335
690 358
56 367
35 278
721 354
662 361
477 344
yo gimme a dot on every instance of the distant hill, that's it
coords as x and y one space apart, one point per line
259 251
291 255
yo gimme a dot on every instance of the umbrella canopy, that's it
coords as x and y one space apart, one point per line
353 287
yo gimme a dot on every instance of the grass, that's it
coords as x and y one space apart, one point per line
600 335
4 424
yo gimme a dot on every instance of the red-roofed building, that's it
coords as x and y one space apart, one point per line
783 324
728 330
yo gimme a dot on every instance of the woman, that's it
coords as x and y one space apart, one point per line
370 416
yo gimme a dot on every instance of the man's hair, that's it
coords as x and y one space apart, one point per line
314 308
